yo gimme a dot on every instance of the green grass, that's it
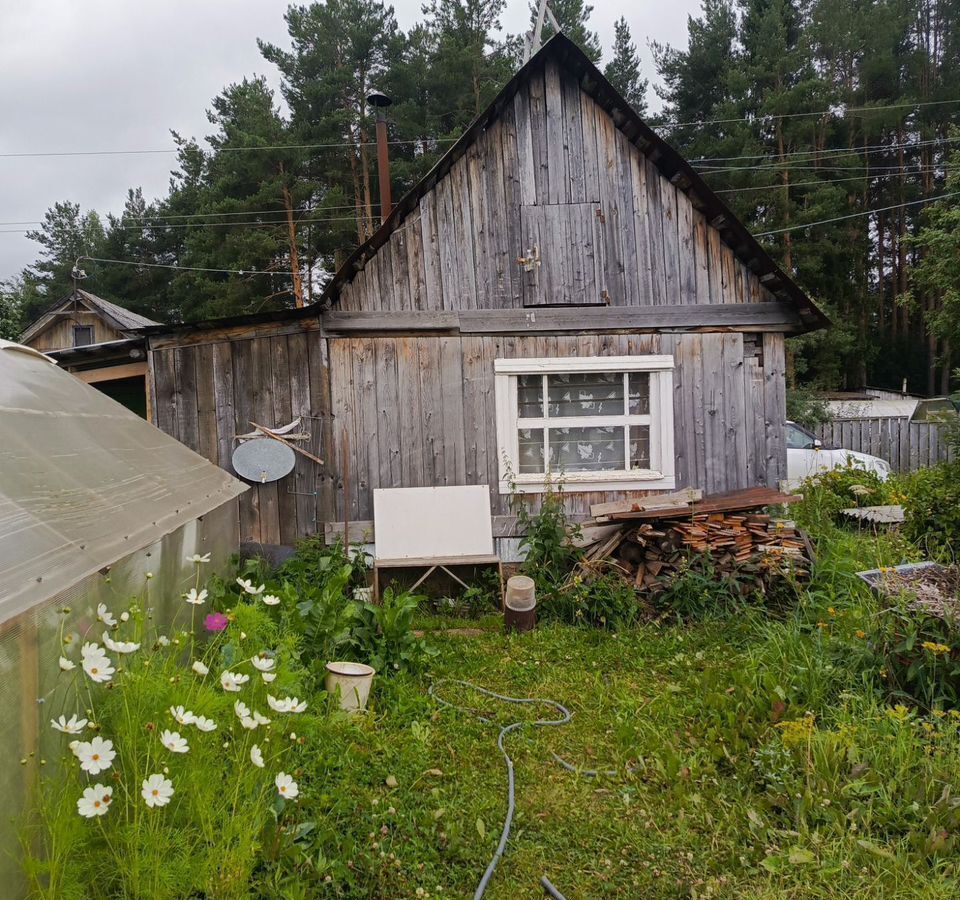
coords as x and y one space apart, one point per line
715 796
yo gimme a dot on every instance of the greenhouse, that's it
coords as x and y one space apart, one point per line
96 506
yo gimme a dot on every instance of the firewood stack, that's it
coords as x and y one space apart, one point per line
650 539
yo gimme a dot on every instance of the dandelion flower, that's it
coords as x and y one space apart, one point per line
200 668
95 801
173 742
287 704
196 598
231 681
95 756
204 724
247 585
97 666
197 558
73 726
286 786
256 757
105 616
216 622
263 663
157 790
271 599
119 646
66 665
268 677
183 716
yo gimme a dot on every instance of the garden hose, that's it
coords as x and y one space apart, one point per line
513 726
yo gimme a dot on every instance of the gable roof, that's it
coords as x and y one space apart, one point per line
666 159
116 316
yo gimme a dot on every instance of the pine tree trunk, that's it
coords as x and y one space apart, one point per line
292 241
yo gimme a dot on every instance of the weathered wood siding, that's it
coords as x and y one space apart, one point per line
554 173
419 410
204 394
906 445
58 335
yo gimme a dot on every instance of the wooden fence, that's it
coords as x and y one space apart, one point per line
904 444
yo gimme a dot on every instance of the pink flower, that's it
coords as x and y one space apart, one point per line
216 622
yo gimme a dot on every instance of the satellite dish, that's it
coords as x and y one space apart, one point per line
262 460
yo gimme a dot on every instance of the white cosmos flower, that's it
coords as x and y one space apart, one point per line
193 597
183 716
66 665
124 617
119 646
256 757
271 599
261 719
97 666
95 801
90 649
231 681
287 704
163 641
247 585
173 742
73 726
249 723
241 709
263 663
268 676
286 786
74 745
105 616
199 668
204 724
95 756
157 790
197 558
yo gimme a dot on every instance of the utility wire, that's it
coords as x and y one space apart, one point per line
873 148
264 149
820 183
865 212
145 265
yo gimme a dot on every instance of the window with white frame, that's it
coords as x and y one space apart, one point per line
594 423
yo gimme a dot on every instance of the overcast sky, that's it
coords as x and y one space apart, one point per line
84 75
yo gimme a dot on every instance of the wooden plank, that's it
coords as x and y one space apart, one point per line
611 245
411 435
655 234
321 407
558 176
224 403
307 475
186 335
430 242
111 373
715 470
775 407
591 163
280 415
538 133
450 374
671 243
431 411
756 427
365 437
633 199
734 411
416 266
342 407
207 445
244 411
674 499
261 387
573 140
687 249
526 163
507 244
774 316
165 390
388 412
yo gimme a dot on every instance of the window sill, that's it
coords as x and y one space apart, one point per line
580 482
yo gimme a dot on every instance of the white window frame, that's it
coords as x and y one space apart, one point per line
660 475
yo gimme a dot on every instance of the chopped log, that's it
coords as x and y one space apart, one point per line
650 502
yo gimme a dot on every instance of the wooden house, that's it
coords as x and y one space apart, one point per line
561 298
97 341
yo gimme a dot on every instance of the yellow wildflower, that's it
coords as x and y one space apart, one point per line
831 611
935 648
860 633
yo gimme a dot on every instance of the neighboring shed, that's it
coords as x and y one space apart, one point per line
92 498
561 297
97 341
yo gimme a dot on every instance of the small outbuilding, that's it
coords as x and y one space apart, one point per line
561 299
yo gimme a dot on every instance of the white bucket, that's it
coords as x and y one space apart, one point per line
352 680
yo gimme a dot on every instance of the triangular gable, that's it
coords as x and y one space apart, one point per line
118 318
661 172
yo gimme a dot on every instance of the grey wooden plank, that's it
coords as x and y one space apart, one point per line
591 162
388 412
573 140
558 177
464 237
342 407
307 475
224 402
411 434
244 408
687 249
206 404
261 367
734 411
701 247
450 374
188 427
163 364
655 238
430 242
671 243
526 163
507 243
775 407
538 133
715 469
282 415
755 424
612 250
632 200
476 417
367 452
416 266
321 407
431 411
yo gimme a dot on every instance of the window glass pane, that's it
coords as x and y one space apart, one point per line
797 439
585 394
596 449
530 396
639 446
531 450
639 401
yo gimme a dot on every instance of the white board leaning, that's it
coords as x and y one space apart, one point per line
432 522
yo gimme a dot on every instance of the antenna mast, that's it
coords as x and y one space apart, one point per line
533 40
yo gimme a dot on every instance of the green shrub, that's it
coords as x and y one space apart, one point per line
826 493
698 589
932 507
602 599
549 555
381 634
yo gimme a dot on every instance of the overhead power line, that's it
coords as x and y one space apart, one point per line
873 148
822 182
865 212
264 149
146 265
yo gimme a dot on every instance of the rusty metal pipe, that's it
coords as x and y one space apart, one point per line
381 102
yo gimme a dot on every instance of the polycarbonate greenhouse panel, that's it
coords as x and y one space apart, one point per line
84 481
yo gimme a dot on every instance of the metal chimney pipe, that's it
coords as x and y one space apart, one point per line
381 102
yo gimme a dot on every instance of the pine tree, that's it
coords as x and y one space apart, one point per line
623 70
